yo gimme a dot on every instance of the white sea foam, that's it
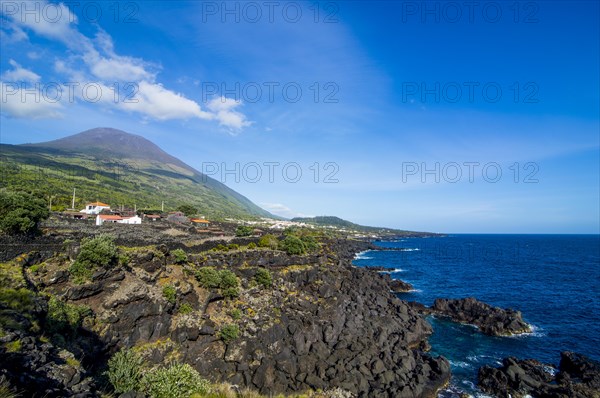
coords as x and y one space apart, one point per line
362 255
391 271
536 331
411 249
461 364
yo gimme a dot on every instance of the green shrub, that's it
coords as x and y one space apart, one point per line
243 230
208 277
176 381
229 333
13 346
5 390
263 277
170 293
310 243
233 246
185 308
125 371
231 292
20 300
228 279
221 248
236 314
20 212
124 260
269 241
293 245
64 318
251 246
100 251
180 256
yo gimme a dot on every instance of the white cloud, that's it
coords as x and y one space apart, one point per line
11 33
225 113
160 103
95 61
18 103
46 19
118 68
282 210
20 74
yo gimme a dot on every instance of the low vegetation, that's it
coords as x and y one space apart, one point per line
179 256
170 293
263 277
125 371
229 332
128 373
96 252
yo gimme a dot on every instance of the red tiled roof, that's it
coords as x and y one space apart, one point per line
199 220
98 204
109 217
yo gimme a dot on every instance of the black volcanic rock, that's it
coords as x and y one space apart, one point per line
399 286
323 324
490 320
577 376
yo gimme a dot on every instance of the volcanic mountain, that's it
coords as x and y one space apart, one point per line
122 169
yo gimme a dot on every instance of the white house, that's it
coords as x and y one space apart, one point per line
131 220
95 208
103 218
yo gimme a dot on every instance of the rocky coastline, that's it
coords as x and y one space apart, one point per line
576 376
322 324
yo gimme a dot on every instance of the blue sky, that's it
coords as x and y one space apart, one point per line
409 110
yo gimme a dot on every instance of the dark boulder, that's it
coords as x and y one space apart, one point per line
490 320
577 376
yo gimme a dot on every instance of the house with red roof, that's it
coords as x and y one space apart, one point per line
95 208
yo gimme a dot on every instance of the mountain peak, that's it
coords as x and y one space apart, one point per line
104 142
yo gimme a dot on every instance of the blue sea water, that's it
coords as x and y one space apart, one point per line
554 280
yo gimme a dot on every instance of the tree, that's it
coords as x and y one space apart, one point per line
270 241
293 245
187 209
20 212
243 230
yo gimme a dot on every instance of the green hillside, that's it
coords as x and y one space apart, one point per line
120 169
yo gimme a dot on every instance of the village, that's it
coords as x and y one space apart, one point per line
102 213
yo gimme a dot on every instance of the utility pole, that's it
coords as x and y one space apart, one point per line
73 203
162 208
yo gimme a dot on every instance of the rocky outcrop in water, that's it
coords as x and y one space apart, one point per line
490 320
576 376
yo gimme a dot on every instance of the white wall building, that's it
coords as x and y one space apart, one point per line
95 208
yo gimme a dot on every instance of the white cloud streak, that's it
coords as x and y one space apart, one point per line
95 61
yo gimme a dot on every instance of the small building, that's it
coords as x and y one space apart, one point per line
177 217
200 222
75 215
131 220
106 218
152 217
102 218
95 208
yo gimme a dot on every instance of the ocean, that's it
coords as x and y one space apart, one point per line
554 280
